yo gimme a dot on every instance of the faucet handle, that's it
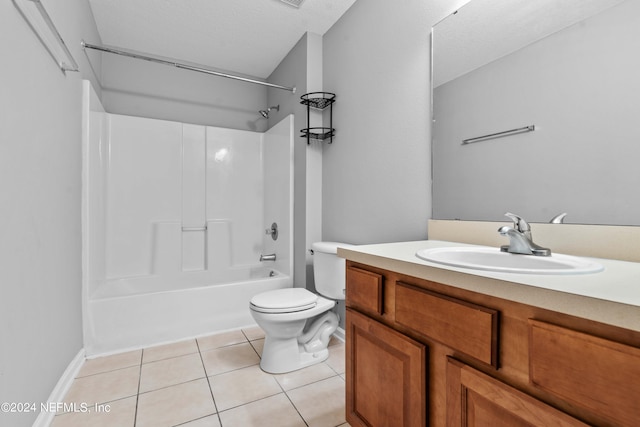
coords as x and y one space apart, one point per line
558 219
519 223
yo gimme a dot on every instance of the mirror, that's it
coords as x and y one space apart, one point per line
569 68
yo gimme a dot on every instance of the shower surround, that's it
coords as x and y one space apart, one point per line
174 220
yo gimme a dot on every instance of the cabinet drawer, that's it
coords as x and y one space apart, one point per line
364 290
469 328
593 373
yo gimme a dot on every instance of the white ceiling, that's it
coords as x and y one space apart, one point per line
242 36
485 30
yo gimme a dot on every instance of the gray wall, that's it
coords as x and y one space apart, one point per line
579 87
376 174
293 71
140 88
40 169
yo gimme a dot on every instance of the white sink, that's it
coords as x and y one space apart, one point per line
492 259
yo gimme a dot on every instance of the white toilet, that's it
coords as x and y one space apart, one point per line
298 323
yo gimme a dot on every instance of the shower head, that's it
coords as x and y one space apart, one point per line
265 113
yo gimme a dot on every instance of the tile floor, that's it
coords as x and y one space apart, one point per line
209 381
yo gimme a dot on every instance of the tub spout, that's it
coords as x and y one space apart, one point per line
270 257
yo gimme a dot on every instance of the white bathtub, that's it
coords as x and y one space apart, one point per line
144 311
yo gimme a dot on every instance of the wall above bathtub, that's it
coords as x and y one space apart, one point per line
140 88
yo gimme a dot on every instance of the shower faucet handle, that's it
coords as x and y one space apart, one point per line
273 231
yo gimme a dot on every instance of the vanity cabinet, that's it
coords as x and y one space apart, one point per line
477 399
421 353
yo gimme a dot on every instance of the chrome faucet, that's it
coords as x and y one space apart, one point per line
270 257
520 241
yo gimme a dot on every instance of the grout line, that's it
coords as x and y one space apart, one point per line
312 382
196 419
296 408
245 335
169 358
232 370
172 385
223 346
255 350
251 401
108 371
215 405
135 414
290 401
249 339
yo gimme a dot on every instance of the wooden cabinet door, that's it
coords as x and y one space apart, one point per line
475 399
386 375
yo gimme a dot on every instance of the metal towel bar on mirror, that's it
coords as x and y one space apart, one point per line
499 134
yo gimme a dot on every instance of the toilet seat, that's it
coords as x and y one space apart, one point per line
287 300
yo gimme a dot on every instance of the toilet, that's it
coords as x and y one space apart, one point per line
298 323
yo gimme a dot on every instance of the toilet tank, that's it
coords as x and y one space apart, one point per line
329 269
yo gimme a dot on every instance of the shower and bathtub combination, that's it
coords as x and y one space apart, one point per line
175 220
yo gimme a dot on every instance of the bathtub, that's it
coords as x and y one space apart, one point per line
138 312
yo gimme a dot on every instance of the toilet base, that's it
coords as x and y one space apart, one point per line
280 355
288 361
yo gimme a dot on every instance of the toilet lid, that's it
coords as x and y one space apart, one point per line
284 300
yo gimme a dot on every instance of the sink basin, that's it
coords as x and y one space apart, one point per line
492 259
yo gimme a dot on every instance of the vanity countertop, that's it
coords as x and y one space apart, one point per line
611 296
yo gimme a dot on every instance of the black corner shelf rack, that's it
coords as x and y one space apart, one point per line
318 101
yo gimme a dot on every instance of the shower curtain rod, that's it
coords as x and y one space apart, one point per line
199 69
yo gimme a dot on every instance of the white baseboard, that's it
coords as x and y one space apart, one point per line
60 390
340 334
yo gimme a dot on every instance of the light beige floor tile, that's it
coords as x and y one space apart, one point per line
336 358
242 386
167 372
272 411
254 333
105 387
175 405
321 404
226 359
221 340
258 346
246 394
304 376
166 351
110 363
335 341
119 413
210 421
